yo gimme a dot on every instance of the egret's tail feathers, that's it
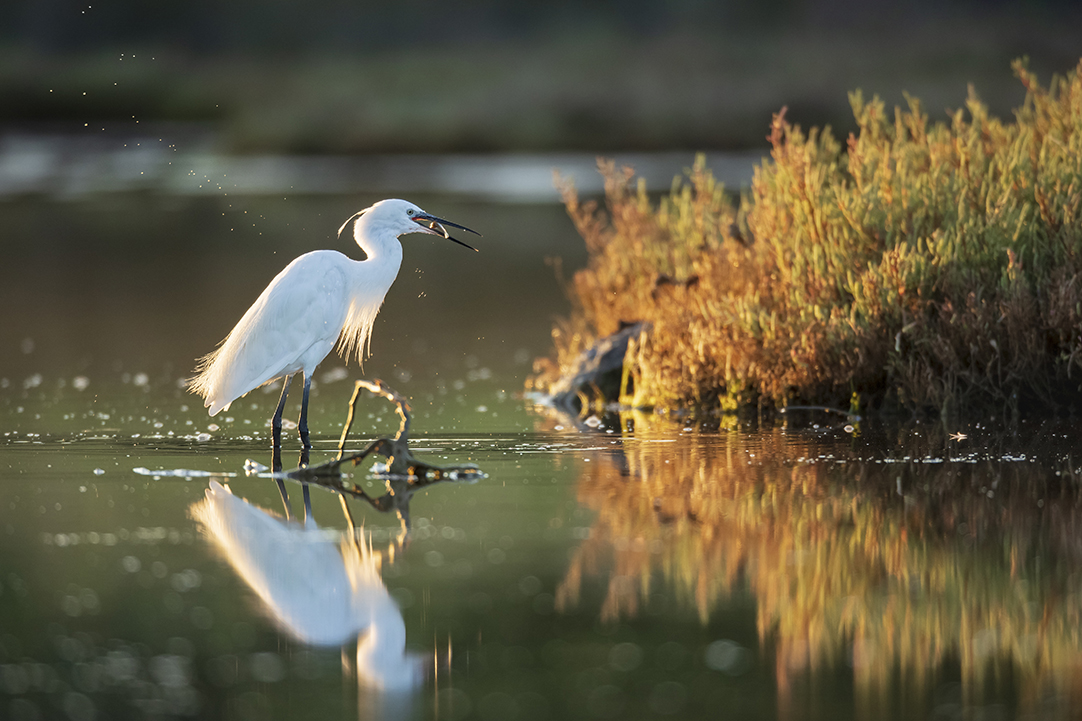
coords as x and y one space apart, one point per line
205 384
218 380
217 407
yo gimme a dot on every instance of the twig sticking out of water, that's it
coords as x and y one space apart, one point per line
402 407
404 475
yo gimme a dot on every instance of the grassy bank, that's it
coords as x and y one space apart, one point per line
912 265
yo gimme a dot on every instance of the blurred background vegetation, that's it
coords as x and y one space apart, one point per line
326 76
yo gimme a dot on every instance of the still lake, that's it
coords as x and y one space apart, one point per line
637 568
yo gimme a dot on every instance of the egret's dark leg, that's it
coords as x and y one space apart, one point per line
302 426
276 422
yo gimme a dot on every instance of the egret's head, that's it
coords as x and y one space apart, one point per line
400 217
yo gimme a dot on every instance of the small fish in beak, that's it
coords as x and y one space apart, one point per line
436 225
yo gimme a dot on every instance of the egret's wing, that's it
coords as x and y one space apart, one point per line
292 325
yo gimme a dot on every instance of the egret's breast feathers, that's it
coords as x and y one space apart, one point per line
372 280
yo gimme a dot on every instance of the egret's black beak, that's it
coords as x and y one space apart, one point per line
436 224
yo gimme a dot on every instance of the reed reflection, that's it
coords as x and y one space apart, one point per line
323 589
909 571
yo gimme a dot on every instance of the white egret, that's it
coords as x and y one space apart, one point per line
321 299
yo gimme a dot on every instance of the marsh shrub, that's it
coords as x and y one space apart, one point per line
915 264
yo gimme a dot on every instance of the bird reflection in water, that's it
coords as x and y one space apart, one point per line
322 591
327 590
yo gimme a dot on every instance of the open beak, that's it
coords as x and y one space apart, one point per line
436 225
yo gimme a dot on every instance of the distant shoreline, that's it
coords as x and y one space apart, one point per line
70 167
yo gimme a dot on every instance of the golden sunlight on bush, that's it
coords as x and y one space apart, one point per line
898 569
917 265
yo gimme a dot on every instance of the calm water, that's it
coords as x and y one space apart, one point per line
633 570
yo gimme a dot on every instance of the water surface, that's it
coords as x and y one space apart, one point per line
633 569
658 572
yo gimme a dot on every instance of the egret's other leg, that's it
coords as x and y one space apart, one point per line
276 422
302 426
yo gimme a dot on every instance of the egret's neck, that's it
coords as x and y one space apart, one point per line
378 240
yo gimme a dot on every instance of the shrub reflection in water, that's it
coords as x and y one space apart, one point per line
906 567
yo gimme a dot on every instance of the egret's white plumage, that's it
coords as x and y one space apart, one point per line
321 299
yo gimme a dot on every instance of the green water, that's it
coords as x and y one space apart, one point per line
638 569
